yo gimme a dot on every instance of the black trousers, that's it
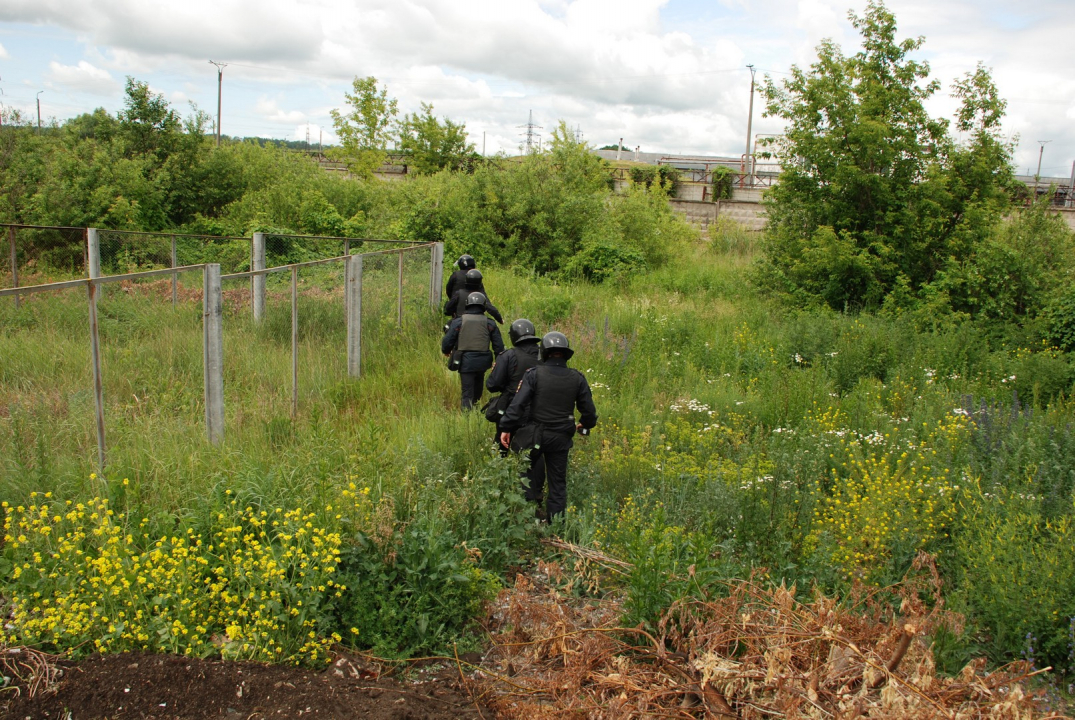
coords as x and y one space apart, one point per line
472 385
548 465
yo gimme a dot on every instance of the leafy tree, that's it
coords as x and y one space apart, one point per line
365 131
434 145
874 194
147 122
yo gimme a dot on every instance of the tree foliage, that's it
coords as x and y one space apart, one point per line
434 145
550 212
875 196
366 130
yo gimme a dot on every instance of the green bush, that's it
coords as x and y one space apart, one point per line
1018 578
413 592
723 182
1059 315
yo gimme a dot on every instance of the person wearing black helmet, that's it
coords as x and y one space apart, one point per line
473 283
508 371
457 279
542 417
467 343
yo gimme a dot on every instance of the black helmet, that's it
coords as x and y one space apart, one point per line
465 262
522 330
555 341
473 277
476 298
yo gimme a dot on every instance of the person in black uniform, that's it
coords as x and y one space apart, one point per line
544 408
470 336
509 368
457 279
458 302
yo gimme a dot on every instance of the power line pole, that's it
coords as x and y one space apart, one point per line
1037 175
531 136
1071 187
750 119
39 108
219 82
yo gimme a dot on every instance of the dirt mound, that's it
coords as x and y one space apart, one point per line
169 686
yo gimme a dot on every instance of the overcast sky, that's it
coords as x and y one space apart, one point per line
666 75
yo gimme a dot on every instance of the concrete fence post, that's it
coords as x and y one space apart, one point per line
175 276
399 301
354 315
98 384
294 342
433 290
257 282
14 263
438 273
213 353
93 253
346 269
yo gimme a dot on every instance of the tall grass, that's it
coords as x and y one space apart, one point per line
729 427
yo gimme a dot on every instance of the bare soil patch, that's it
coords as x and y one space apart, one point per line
170 686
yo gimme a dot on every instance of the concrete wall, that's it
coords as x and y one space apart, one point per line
750 215
1069 216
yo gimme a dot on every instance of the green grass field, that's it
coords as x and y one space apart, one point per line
736 436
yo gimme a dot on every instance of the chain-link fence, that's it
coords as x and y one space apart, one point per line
102 314
33 252
317 305
302 337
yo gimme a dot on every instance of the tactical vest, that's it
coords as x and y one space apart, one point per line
473 334
523 362
554 397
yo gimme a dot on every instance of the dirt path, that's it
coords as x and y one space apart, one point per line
169 686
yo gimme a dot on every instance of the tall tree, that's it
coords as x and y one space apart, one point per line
365 131
867 200
147 122
434 145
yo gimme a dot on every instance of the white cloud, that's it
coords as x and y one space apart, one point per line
197 28
661 74
83 77
271 111
3 53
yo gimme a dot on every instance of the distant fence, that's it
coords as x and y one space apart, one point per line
36 251
379 284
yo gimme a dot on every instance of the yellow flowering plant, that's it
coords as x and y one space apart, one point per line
254 587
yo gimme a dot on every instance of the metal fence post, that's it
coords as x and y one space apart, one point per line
294 342
399 299
93 253
213 353
175 276
98 385
14 263
257 282
354 315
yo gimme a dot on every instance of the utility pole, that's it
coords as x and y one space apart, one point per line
1071 188
219 82
39 108
1037 175
750 119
